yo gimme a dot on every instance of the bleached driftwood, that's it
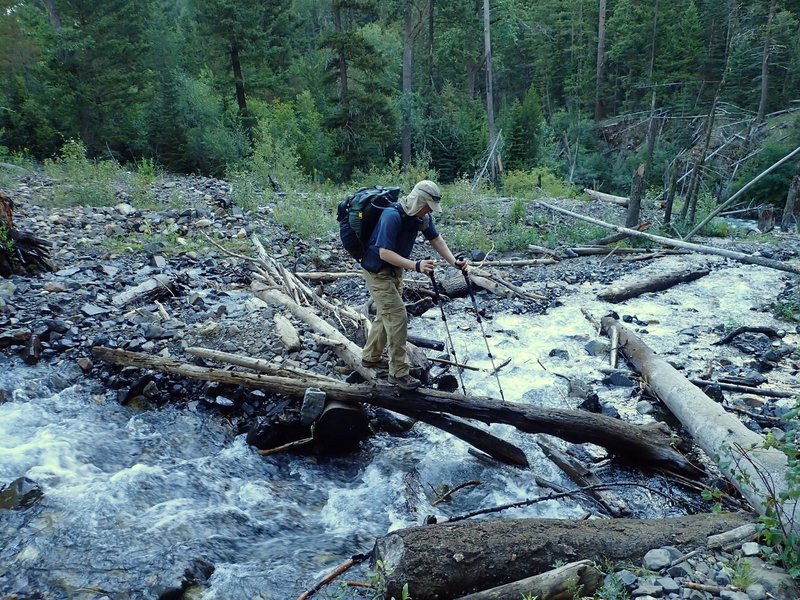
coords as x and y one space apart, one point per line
760 476
618 200
745 258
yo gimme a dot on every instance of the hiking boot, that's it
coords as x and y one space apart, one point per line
381 364
406 382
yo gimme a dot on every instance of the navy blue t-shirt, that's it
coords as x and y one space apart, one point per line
397 232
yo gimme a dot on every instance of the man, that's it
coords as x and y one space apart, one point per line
386 259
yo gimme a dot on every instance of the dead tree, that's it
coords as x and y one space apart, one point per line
646 445
621 293
791 211
757 472
449 560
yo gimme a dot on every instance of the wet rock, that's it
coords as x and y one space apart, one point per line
20 493
559 353
597 348
618 380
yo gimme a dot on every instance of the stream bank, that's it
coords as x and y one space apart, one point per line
167 472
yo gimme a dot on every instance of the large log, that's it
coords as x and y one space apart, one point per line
620 293
745 258
452 559
760 476
640 444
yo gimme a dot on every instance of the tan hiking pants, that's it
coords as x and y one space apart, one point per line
390 326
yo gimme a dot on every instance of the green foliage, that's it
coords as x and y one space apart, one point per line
777 524
773 187
310 216
522 126
537 183
742 574
6 243
612 589
80 180
788 306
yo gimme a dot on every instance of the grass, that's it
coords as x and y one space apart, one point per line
788 307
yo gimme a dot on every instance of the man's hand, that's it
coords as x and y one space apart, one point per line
426 266
461 265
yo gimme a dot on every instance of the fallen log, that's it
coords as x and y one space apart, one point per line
641 444
745 258
452 559
618 200
558 584
158 286
583 477
744 389
757 472
768 331
663 282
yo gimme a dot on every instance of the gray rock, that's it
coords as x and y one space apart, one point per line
628 579
648 590
751 549
756 591
683 569
92 310
596 348
733 595
657 559
722 577
643 407
313 403
669 585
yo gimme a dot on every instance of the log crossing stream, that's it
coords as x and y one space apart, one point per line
137 502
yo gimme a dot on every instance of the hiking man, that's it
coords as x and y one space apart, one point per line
386 259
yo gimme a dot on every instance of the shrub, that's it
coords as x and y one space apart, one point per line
79 180
537 183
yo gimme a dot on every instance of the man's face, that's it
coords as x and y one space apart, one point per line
425 210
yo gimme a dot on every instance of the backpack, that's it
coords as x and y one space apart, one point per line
359 213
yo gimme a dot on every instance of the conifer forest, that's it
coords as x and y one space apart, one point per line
315 91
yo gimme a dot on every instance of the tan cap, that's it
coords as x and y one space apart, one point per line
429 192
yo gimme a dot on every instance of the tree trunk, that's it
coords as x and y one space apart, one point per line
342 61
487 50
452 559
558 584
673 184
663 282
635 201
762 104
639 444
601 61
412 30
791 211
690 204
745 258
238 78
760 476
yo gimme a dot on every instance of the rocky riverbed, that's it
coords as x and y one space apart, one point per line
101 254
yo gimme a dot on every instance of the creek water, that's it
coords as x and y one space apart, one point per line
133 499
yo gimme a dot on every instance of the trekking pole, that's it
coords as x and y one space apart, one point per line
483 333
437 299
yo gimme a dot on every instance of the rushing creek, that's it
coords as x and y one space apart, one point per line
133 499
